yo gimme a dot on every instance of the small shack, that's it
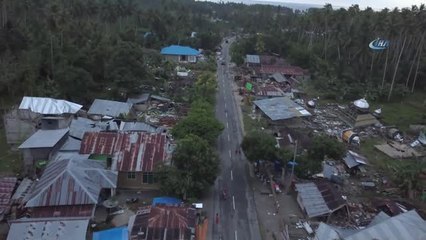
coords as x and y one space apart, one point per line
318 199
41 146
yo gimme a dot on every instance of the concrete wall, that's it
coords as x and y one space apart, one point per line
181 58
137 183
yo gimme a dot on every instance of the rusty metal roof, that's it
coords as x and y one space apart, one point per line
286 70
175 222
131 152
7 185
85 211
71 182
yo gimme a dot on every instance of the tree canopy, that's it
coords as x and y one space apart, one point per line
201 122
195 167
259 145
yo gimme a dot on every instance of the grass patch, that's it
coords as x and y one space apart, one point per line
410 110
374 156
252 124
10 161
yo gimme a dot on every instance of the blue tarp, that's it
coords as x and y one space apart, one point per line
165 201
179 50
120 233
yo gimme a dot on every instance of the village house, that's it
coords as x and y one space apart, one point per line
140 102
407 226
181 54
282 111
318 199
108 109
135 155
163 222
41 146
71 188
36 113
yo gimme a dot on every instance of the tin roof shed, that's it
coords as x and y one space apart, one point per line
44 138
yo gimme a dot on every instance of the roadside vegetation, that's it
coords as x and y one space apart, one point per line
195 164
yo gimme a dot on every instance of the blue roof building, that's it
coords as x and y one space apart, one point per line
180 53
120 233
168 201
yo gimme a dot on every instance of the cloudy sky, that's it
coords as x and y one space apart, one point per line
375 4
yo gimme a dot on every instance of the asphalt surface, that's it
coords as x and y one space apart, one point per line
233 216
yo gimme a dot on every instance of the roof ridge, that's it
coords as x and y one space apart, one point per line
50 183
82 185
102 172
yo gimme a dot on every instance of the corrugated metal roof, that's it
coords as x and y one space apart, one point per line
286 70
325 232
269 90
279 77
312 200
131 152
44 105
48 229
379 218
253 59
139 99
22 193
70 145
44 138
280 108
64 212
407 226
353 159
319 199
81 125
150 223
179 50
7 185
137 126
71 182
160 98
109 108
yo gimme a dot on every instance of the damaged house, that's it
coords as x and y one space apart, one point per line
281 110
163 222
319 199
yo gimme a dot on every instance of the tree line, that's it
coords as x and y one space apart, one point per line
83 49
334 46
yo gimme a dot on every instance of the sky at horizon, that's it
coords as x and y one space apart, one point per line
376 4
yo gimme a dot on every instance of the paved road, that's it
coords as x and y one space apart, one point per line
237 218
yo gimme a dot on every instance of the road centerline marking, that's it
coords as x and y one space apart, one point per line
233 202
229 139
232 176
230 153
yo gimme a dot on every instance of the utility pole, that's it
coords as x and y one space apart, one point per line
293 163
294 160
